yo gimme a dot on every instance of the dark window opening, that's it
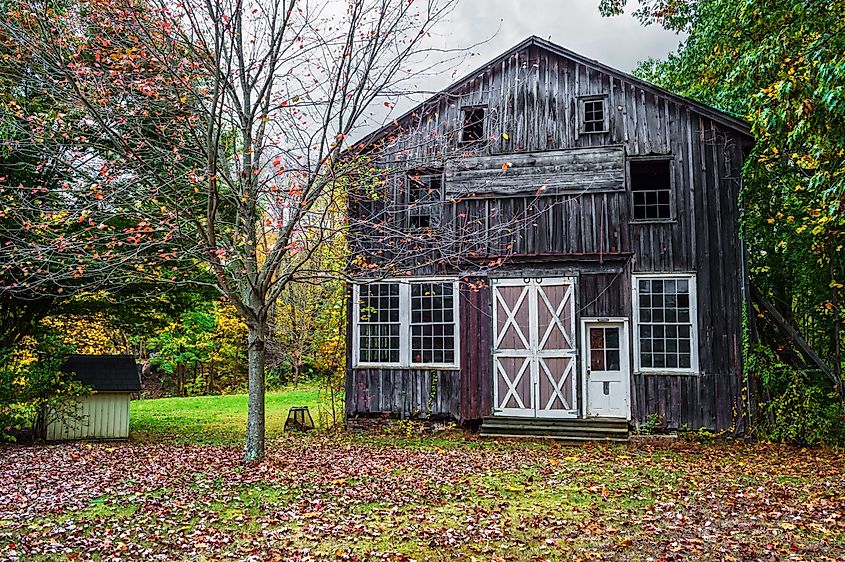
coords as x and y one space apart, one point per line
473 129
651 185
424 200
593 116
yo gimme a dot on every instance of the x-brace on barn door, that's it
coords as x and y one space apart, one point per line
534 348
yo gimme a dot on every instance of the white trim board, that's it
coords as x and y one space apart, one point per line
635 306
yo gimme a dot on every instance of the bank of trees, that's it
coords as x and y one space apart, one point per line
780 65
193 143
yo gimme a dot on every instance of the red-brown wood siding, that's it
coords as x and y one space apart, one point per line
476 379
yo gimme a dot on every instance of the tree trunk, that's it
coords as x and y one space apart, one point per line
254 450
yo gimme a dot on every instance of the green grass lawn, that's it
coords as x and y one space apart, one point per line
214 419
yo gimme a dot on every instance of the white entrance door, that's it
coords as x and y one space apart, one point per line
607 374
534 350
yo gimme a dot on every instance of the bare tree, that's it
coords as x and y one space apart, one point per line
200 140
207 142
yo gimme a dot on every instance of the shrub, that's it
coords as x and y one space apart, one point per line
801 408
32 388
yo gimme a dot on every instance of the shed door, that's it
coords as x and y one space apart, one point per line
534 348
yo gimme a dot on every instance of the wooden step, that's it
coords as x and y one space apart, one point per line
561 422
575 430
560 438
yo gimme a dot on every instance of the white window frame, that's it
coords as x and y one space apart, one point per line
693 311
405 324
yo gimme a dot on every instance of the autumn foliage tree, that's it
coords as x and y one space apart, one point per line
188 132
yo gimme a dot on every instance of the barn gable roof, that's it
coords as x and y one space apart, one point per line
104 373
705 110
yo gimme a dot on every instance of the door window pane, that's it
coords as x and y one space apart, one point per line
604 349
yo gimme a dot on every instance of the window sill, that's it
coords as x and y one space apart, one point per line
594 132
438 367
668 372
396 366
653 221
419 231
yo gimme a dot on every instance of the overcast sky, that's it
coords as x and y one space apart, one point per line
619 41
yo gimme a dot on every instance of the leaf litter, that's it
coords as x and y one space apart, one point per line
320 498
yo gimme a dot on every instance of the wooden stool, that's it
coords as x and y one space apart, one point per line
299 419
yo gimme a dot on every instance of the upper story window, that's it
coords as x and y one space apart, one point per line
473 125
651 188
593 113
424 189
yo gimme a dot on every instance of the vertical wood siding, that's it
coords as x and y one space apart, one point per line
531 98
405 393
476 360
460 395
104 415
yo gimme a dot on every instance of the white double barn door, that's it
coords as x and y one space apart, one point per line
534 355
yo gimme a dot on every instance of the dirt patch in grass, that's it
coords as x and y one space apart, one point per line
317 498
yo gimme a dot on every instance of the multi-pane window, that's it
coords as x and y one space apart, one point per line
651 186
593 115
432 323
407 324
424 200
473 126
666 323
378 323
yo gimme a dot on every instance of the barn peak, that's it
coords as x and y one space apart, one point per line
557 50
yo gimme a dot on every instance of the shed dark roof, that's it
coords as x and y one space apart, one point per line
105 373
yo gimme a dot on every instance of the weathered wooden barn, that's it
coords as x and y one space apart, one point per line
103 414
567 237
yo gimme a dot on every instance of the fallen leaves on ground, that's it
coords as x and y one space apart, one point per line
316 498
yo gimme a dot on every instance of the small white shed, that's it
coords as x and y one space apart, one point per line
104 414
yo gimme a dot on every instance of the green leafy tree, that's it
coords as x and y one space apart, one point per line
205 126
202 352
780 65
